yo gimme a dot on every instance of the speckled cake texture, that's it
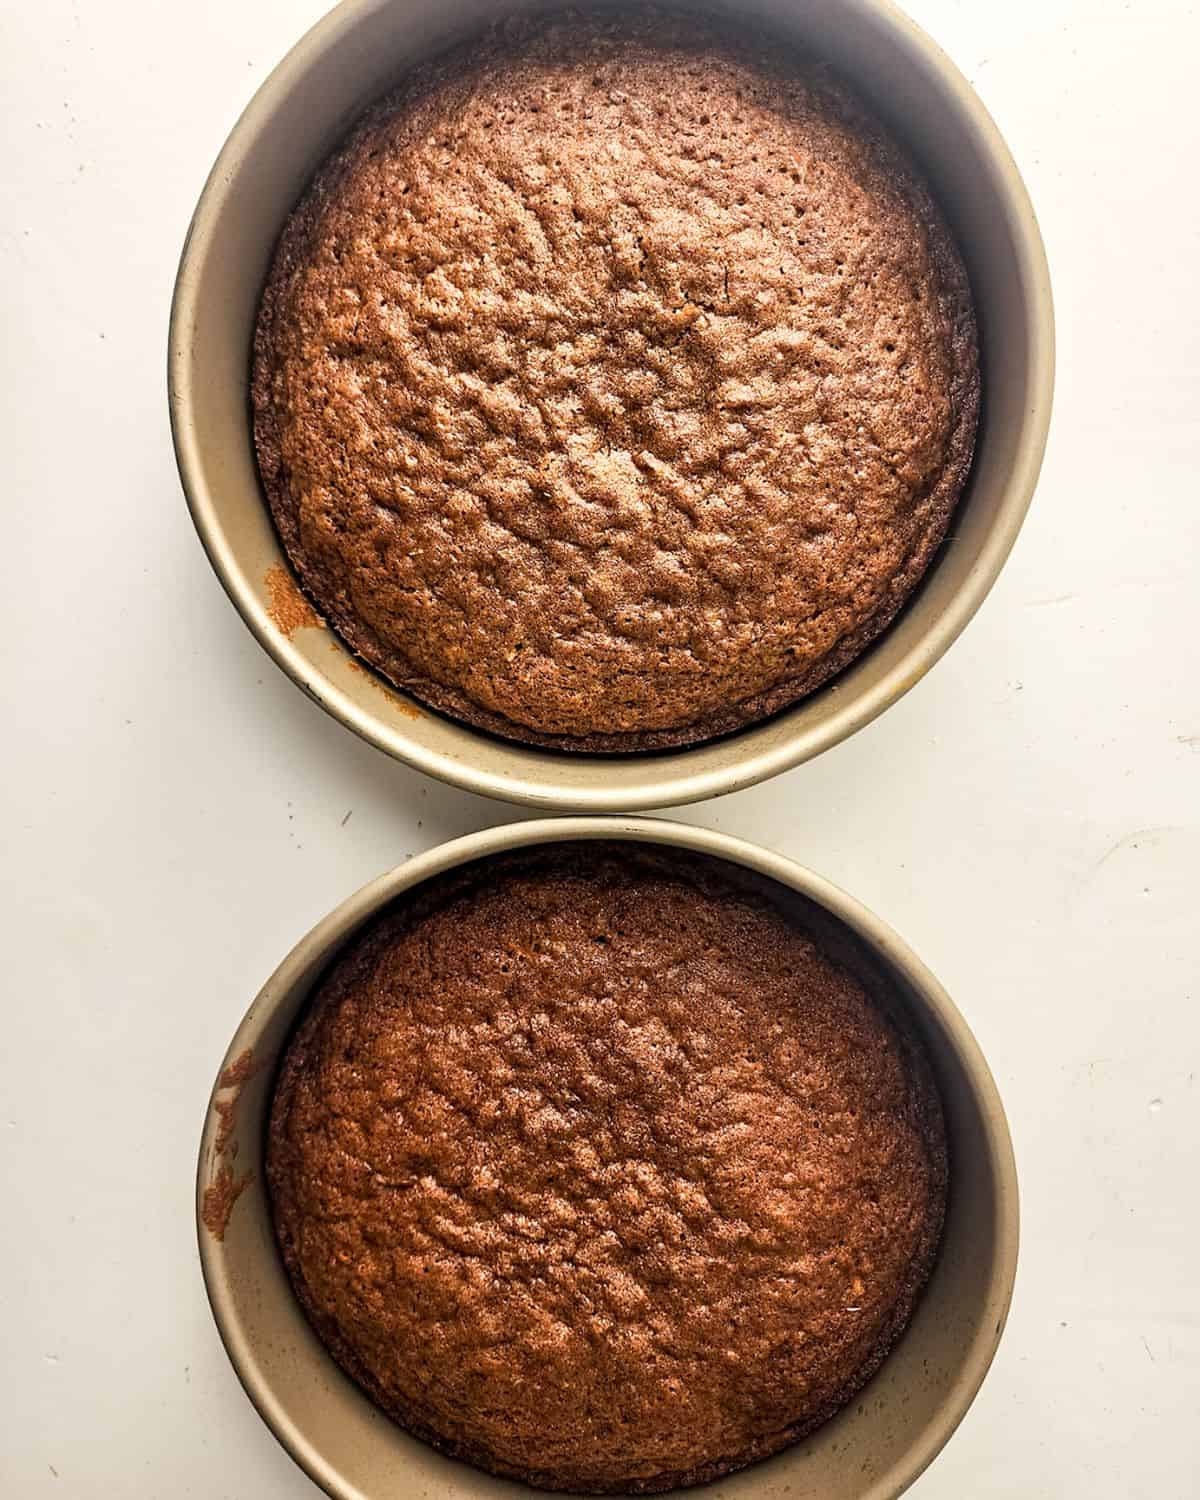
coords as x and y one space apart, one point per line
595 1172
614 382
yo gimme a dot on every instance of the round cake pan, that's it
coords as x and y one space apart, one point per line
872 1450
298 114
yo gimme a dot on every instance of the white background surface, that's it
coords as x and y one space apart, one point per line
174 811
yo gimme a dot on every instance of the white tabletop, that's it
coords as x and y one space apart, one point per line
176 814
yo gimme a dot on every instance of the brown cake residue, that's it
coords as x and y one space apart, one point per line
235 1077
402 705
615 382
595 1172
288 608
220 1196
225 1189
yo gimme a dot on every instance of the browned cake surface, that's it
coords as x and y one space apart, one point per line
613 385
594 1172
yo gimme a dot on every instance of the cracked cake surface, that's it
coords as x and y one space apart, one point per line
614 382
594 1171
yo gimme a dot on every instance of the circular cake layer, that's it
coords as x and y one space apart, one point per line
595 1172
614 383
